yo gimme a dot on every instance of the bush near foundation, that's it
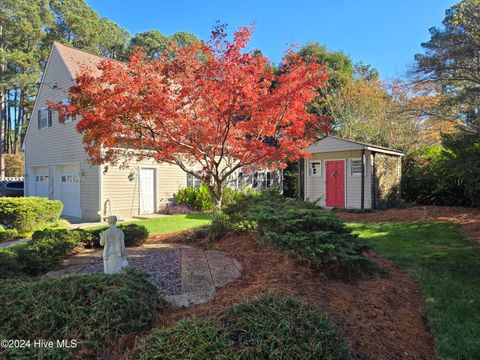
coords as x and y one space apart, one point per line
198 198
95 310
27 214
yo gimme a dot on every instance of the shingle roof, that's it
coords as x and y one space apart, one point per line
76 59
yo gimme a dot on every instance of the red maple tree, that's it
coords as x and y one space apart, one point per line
211 105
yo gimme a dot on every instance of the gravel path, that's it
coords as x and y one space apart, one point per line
164 268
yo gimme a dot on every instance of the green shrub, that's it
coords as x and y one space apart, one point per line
9 264
8 235
220 226
27 214
446 174
265 327
277 327
135 235
190 339
39 255
199 198
95 310
196 198
303 230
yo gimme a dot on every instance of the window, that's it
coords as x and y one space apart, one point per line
44 118
261 180
193 181
66 119
70 178
315 168
41 178
356 167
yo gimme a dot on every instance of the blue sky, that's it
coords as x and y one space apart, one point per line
383 33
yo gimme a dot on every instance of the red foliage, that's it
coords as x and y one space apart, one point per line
212 104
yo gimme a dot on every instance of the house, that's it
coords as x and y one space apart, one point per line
57 167
349 174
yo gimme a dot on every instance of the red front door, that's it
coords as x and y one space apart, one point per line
335 183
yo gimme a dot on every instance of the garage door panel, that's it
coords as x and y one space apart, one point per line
40 181
69 186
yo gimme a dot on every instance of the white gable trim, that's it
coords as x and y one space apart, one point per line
333 144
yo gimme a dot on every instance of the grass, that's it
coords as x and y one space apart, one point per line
171 223
447 266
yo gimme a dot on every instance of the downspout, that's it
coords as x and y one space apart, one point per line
362 201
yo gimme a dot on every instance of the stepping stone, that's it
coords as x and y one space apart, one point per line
202 273
222 268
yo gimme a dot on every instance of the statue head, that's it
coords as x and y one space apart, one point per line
112 220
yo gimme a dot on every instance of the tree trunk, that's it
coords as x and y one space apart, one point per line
216 195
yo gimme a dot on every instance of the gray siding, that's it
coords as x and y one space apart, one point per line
59 144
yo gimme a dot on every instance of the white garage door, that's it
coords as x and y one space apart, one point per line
70 190
147 191
40 181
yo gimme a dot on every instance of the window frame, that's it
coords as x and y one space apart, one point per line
262 180
193 181
319 172
351 167
48 119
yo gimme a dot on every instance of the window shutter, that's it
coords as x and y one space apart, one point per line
39 120
49 118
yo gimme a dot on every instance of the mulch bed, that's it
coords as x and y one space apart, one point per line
467 218
382 317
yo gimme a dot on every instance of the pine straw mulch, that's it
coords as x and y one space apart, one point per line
382 317
467 218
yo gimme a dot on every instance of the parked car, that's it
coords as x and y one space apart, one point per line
11 188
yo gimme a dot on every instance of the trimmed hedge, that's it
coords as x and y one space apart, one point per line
265 327
95 310
27 214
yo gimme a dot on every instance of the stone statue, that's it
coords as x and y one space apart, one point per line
114 256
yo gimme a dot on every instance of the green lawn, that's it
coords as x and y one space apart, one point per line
173 223
447 266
